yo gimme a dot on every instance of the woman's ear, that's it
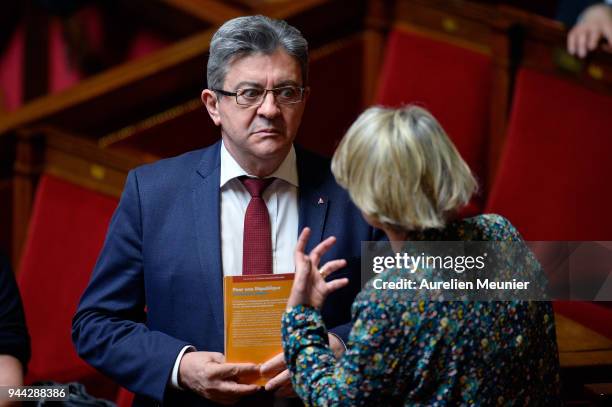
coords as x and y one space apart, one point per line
209 98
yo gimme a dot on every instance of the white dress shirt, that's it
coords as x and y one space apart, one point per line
281 198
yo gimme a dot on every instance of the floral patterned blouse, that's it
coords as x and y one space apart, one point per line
430 353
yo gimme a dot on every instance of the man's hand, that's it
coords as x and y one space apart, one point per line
280 382
336 346
595 24
309 285
207 374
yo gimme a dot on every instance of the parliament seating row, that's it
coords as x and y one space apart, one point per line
546 171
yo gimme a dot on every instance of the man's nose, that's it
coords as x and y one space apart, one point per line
269 108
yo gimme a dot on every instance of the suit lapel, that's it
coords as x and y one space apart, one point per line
313 201
206 204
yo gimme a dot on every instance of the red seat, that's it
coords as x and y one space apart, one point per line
452 82
553 181
65 235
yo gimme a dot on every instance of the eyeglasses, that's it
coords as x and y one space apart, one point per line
284 95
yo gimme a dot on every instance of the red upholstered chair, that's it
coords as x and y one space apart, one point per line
451 81
66 232
553 182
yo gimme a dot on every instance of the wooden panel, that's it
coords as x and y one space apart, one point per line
545 8
336 97
580 346
584 357
323 22
550 56
461 23
163 17
211 11
131 92
378 21
374 45
68 156
28 166
174 131
284 8
117 92
85 164
80 171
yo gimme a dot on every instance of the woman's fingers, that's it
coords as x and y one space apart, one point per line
321 249
302 240
332 266
581 44
302 270
306 269
301 281
336 284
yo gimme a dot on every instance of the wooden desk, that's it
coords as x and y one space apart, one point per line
579 346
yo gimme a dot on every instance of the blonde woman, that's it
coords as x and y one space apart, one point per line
407 178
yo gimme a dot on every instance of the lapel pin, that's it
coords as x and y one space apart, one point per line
321 201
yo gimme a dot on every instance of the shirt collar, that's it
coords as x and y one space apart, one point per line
230 169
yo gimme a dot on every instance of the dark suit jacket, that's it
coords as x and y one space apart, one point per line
163 252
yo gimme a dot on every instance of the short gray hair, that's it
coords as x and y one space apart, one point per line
243 36
401 169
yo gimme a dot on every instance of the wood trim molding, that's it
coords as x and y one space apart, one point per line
68 156
210 11
107 86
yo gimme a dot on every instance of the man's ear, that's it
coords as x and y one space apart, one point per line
209 98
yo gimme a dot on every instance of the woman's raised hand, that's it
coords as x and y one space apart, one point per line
309 285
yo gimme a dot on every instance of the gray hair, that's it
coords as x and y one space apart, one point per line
243 36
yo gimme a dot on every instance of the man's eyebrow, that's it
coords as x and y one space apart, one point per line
288 82
248 84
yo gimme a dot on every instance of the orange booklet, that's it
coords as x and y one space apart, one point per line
253 308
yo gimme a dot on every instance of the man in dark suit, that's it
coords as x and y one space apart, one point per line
185 222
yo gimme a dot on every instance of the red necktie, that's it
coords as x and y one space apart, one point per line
257 241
